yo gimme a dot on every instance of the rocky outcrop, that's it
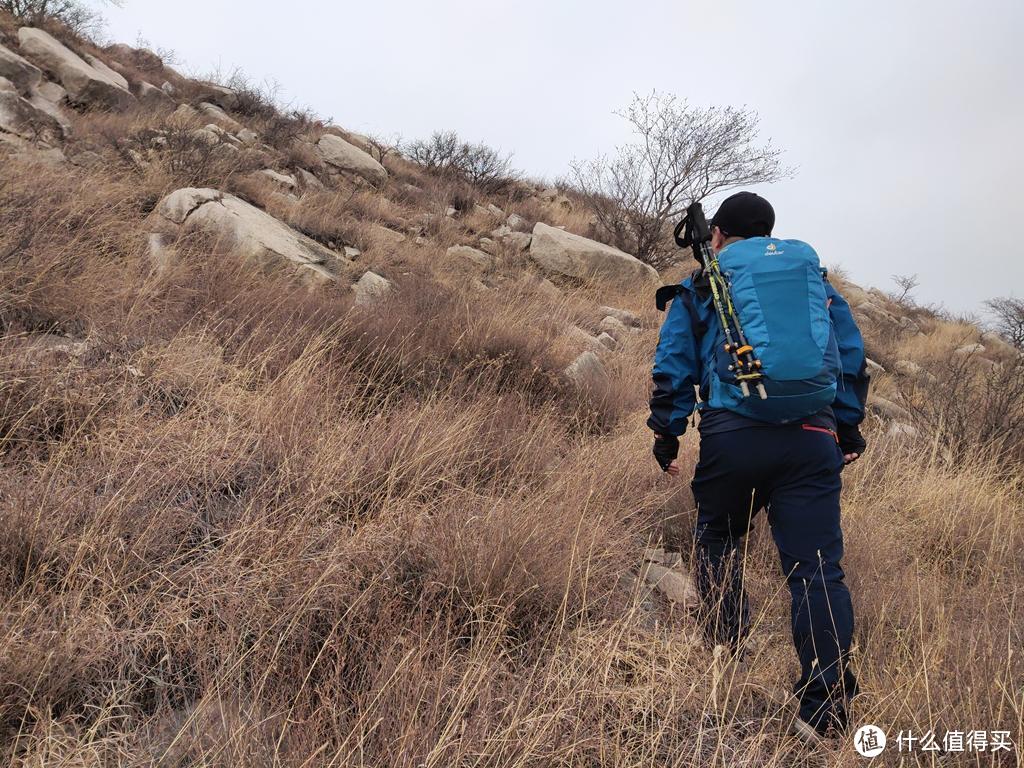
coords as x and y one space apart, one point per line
22 118
246 229
341 155
573 256
154 97
83 82
111 74
218 116
20 71
222 96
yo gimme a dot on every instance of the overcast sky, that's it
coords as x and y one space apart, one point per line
903 118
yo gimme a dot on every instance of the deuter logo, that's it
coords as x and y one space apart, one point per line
772 250
869 740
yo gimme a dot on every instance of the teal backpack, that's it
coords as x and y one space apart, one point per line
778 293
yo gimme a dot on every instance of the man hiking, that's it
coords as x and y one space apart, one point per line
781 394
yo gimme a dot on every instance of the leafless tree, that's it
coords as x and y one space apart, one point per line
445 153
383 146
679 154
75 14
1009 319
906 284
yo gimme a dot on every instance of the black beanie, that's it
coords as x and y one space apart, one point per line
745 214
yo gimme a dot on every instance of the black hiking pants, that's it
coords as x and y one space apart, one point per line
794 472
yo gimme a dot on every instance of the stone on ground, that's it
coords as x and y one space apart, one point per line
371 288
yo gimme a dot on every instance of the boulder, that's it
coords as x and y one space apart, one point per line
223 97
151 96
495 211
607 340
282 180
614 327
371 288
51 109
185 114
102 68
488 246
386 236
969 350
22 118
143 58
541 285
20 71
248 137
308 181
574 256
624 316
83 82
515 221
52 92
887 408
219 117
247 230
587 370
339 154
472 256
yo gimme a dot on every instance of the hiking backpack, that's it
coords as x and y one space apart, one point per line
778 294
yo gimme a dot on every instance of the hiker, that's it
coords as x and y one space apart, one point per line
781 448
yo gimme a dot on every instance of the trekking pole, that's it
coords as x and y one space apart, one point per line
745 364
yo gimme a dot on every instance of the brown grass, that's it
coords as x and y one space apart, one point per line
249 524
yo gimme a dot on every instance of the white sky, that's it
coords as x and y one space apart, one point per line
902 117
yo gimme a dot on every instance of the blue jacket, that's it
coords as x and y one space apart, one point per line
686 352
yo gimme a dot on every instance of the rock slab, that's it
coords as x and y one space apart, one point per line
250 232
574 256
83 82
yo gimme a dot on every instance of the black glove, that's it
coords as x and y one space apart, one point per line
851 440
666 448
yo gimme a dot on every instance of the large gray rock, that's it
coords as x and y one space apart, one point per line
24 74
101 66
22 118
222 96
249 231
218 116
574 256
83 82
151 96
339 154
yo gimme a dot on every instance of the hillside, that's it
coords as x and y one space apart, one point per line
313 456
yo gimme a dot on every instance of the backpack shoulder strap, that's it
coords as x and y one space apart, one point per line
667 293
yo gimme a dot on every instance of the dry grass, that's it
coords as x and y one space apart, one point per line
250 524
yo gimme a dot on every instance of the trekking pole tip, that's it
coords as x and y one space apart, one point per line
745 389
761 391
